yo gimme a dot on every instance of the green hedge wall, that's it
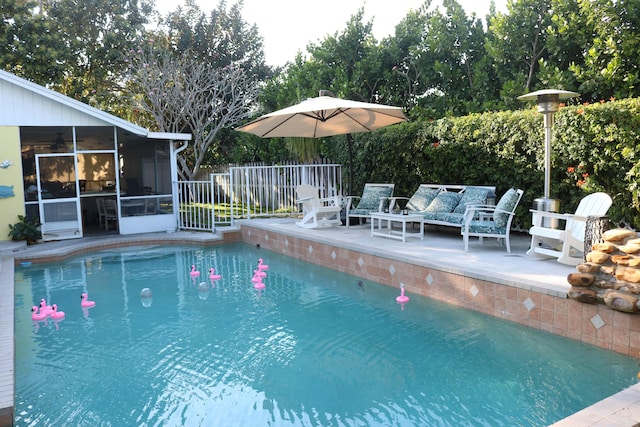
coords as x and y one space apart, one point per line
594 148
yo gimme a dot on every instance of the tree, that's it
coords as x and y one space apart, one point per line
183 94
610 66
515 43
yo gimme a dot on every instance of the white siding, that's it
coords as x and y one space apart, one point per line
21 107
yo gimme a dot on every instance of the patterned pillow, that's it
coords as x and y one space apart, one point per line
422 198
445 201
475 195
370 199
507 203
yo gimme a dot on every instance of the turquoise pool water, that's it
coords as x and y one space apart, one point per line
315 347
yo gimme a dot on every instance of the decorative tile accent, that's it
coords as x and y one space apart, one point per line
286 242
392 270
597 321
360 262
529 304
429 279
333 255
249 232
310 249
266 237
474 291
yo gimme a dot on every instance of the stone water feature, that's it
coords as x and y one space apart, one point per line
611 273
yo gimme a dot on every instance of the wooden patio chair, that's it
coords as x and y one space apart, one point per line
317 212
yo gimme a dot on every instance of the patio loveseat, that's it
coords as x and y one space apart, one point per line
444 204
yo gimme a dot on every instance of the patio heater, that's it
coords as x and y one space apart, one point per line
548 103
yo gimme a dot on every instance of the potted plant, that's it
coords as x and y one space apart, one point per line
26 229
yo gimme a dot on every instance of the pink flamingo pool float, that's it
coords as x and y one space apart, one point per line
194 273
36 315
44 308
55 314
402 298
261 265
213 275
85 302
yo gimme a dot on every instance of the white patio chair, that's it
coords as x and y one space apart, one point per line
317 212
549 238
492 221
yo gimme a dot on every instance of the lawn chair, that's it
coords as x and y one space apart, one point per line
491 221
317 212
567 243
375 198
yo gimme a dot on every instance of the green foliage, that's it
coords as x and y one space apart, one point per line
26 229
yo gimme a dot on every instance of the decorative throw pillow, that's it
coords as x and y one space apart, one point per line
507 203
422 198
371 196
445 201
474 195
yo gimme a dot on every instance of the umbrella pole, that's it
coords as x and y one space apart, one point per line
350 151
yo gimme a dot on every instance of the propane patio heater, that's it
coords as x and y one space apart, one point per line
548 103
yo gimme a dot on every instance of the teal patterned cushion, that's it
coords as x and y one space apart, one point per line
486 227
445 201
475 195
370 200
507 203
451 218
422 198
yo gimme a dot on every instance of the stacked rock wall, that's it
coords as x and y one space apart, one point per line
611 273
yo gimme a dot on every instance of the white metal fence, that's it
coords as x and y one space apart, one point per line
251 191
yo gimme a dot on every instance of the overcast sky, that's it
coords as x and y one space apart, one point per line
287 26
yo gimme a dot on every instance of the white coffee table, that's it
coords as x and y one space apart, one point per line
390 218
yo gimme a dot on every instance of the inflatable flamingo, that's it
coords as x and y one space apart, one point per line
259 285
38 316
85 302
194 273
261 266
44 308
259 273
402 298
213 275
55 314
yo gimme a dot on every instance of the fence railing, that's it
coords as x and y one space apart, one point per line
251 191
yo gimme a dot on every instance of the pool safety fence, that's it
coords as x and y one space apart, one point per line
251 191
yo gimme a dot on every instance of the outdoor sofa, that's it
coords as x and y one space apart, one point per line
444 204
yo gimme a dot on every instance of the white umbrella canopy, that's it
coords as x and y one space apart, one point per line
324 116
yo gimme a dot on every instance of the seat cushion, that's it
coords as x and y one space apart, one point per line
507 203
370 200
486 227
422 198
445 201
475 195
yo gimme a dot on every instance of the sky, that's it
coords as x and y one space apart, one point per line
288 26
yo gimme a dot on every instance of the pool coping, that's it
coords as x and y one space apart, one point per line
620 409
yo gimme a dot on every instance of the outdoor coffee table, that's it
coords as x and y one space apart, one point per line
391 218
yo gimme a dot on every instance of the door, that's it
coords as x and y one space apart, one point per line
58 196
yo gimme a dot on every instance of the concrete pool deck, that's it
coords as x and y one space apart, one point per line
485 279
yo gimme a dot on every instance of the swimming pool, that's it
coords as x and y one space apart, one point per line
315 347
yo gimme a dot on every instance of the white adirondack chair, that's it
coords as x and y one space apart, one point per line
317 212
566 244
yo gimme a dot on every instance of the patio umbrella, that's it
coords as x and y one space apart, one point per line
325 116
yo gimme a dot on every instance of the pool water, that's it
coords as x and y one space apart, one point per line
315 347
